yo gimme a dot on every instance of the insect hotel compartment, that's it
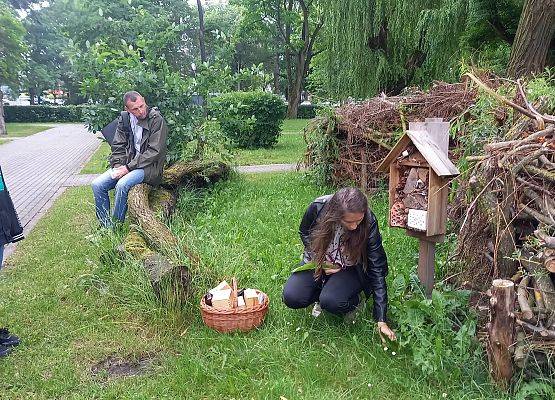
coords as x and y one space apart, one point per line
419 174
410 196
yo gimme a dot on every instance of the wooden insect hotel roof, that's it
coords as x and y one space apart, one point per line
426 145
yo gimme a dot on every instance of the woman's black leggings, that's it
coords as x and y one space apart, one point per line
337 293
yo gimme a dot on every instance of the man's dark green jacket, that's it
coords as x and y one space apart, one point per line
152 156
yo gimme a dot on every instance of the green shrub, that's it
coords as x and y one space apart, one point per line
307 111
249 119
43 113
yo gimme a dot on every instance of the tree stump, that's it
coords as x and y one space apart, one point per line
501 331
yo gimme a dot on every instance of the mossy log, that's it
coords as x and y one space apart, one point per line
182 173
165 276
152 242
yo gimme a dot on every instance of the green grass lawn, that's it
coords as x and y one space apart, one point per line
74 305
289 149
99 161
17 129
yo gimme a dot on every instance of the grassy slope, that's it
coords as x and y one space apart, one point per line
288 150
72 312
99 161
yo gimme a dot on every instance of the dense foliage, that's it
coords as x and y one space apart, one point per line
390 44
249 119
43 113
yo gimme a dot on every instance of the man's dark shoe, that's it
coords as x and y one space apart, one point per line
5 350
7 339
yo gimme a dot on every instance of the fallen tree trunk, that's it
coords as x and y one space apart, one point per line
152 242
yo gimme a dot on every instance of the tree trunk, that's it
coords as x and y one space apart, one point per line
288 66
3 130
533 38
201 31
276 74
32 95
501 330
295 90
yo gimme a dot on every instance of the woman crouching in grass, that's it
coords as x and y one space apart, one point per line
343 256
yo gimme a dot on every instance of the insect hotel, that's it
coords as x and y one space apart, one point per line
419 174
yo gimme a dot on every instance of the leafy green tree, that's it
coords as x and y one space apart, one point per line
12 51
292 27
48 66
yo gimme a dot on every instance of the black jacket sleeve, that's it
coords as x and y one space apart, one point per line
377 269
308 221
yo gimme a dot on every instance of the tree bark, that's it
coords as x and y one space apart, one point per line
201 31
533 38
3 130
301 68
276 74
501 331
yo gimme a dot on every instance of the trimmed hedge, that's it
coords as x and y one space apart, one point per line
249 119
306 111
43 113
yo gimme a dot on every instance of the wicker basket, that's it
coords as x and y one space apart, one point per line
243 319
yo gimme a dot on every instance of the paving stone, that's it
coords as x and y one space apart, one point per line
38 167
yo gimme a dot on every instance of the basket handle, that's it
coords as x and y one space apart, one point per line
234 293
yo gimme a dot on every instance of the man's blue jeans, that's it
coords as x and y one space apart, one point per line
105 183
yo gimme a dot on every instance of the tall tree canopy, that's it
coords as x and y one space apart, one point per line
12 50
293 26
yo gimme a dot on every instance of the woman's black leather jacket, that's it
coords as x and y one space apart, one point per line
372 276
10 228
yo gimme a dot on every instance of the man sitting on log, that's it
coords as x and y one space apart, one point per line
138 155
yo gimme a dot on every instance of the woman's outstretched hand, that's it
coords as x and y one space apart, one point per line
383 329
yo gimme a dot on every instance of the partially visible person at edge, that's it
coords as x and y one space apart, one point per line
138 155
341 237
10 232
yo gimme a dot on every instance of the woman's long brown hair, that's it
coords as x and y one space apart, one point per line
346 200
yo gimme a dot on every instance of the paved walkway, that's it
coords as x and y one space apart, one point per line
266 168
39 167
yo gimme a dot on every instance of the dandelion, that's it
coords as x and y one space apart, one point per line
393 353
298 329
369 385
385 349
444 395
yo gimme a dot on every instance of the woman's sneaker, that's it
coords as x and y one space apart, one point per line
7 339
316 310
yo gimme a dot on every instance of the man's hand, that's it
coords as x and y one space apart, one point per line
120 172
383 329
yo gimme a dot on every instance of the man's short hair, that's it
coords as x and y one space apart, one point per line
130 96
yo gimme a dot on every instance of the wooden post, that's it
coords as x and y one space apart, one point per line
501 331
426 264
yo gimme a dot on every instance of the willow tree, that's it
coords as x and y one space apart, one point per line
375 45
